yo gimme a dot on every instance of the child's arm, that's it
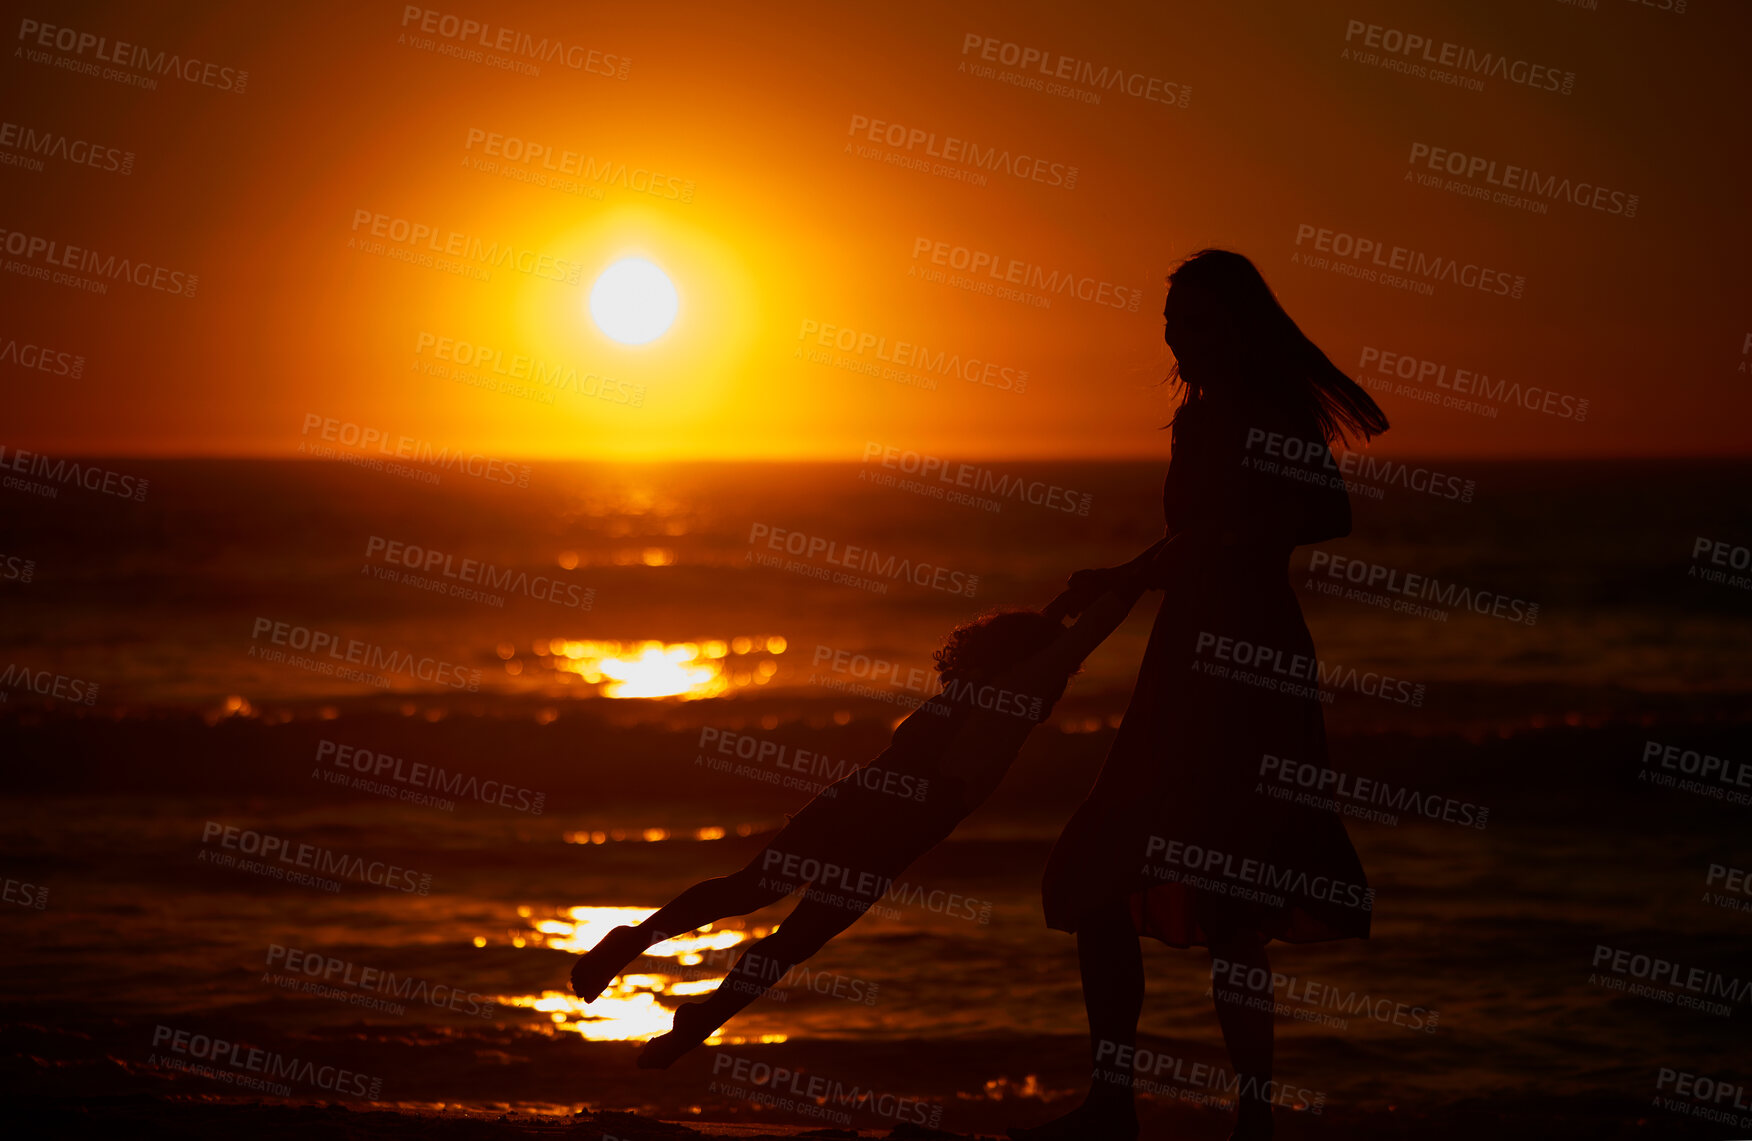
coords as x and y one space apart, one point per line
982 751
1101 618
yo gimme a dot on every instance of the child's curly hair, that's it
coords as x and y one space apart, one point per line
994 641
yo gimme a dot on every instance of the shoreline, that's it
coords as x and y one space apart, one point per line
1514 1119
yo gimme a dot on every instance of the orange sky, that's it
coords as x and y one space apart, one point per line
791 230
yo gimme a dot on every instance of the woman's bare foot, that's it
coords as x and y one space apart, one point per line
1092 1121
596 968
691 1027
1252 1123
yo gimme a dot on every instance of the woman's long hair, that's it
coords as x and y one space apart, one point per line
1274 362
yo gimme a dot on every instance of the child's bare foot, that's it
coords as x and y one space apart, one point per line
1091 1121
596 968
692 1026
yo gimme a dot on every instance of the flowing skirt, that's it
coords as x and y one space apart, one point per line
1191 821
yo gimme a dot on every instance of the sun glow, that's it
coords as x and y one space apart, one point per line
634 302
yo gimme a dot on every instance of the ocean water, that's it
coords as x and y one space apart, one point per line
158 602
435 958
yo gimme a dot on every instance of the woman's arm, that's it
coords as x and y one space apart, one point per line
1087 585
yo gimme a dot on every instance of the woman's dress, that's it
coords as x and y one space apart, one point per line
1188 820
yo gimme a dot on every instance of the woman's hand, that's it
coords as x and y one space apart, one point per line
1085 587
1168 556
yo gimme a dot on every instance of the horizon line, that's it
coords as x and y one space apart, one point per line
840 458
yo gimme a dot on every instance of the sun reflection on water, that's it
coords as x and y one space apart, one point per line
687 670
631 1008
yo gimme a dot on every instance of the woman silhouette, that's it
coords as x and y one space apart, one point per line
1179 839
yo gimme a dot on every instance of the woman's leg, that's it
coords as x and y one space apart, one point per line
705 902
1244 1011
1112 965
815 921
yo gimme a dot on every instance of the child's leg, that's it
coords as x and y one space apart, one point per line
711 900
806 931
705 902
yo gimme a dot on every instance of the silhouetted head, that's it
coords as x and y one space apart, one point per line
980 650
1234 345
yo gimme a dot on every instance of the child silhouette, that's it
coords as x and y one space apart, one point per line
1001 676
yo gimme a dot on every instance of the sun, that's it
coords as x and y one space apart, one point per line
633 302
